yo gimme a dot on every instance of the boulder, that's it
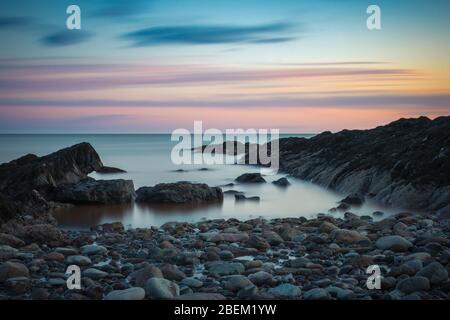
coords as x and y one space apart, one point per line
393 243
91 191
158 288
282 182
347 236
413 284
250 178
434 272
179 193
109 170
221 268
229 237
12 269
285 291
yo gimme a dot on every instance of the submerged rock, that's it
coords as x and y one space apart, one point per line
251 178
179 193
282 182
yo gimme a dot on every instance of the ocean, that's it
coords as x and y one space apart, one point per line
146 158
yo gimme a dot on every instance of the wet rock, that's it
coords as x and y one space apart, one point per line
272 237
260 278
179 193
316 294
251 178
134 293
79 260
236 282
140 277
40 294
10 240
327 227
91 191
434 272
258 242
94 273
109 170
393 243
12 269
413 284
241 197
282 182
192 282
172 272
93 249
220 268
353 200
347 236
229 237
158 288
18 285
285 290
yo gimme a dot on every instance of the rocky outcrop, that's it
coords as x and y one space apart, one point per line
179 193
30 184
91 191
403 164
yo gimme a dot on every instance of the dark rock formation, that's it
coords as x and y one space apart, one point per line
91 191
353 200
179 193
241 197
282 182
28 185
403 164
108 170
250 178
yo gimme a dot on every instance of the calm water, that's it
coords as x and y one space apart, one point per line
147 160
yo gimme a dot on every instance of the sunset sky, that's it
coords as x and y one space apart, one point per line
158 65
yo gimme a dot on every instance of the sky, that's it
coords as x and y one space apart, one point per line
141 66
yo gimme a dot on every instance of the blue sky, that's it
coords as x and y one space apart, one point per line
250 53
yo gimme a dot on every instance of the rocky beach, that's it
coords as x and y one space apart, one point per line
405 163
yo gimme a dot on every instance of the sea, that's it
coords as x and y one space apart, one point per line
147 160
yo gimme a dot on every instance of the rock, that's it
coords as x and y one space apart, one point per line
250 178
11 240
260 278
141 276
40 294
393 243
258 242
229 237
94 273
316 294
413 284
158 288
353 200
272 238
236 282
192 282
93 249
54 256
241 197
91 191
79 260
378 213
340 293
134 293
11 269
201 296
434 272
383 166
327 227
220 268
110 227
67 251
179 193
172 272
248 292
282 182
18 285
347 236
108 170
42 233
285 291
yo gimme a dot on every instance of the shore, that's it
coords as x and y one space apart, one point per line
322 258
327 257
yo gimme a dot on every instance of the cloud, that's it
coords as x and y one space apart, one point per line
66 38
208 34
15 22
381 101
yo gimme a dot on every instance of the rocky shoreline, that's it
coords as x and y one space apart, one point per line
295 258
